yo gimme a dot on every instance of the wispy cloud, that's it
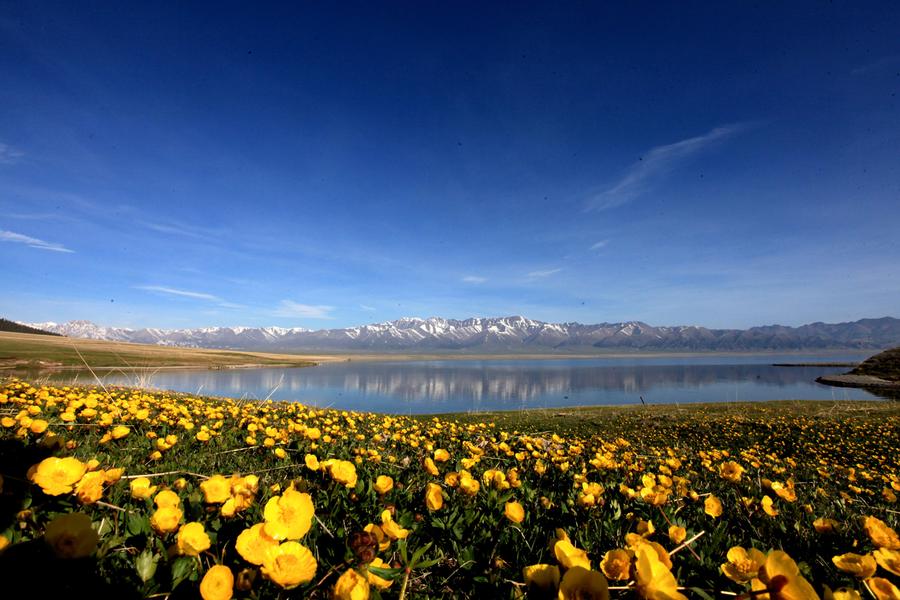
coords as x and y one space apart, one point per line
367 308
161 289
473 279
656 163
881 63
9 155
181 229
600 244
18 238
544 273
289 308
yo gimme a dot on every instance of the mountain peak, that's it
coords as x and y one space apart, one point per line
505 334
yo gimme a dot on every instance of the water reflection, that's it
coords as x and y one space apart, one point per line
486 385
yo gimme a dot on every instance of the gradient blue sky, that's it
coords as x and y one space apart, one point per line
721 164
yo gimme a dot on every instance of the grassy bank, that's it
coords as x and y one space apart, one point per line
24 351
181 494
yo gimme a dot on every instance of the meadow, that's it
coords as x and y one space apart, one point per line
137 493
23 351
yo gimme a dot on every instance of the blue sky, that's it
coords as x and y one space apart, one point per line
324 166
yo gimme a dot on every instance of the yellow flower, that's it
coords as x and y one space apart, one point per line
781 577
351 586
166 519
468 484
379 582
253 544
645 528
514 512
120 431
289 565
712 506
113 475
582 584
616 564
743 565
58 476
167 498
216 489
434 497
289 516
141 488
880 534
858 565
542 580
431 467
383 541
192 539
768 507
383 484
841 594
654 580
441 455
889 560
823 525
71 536
90 489
217 583
342 471
392 529
569 556
312 462
677 534
731 471
882 589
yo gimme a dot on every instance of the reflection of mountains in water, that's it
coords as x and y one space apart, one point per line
438 382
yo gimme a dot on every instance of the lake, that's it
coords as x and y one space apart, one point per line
436 386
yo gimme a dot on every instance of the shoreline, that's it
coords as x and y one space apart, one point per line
859 381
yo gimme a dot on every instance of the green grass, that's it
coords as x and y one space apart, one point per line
24 351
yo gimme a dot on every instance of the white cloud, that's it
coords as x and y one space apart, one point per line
545 273
656 163
474 279
189 294
9 155
368 308
175 292
600 244
289 308
18 238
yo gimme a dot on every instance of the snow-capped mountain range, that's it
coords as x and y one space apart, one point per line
503 334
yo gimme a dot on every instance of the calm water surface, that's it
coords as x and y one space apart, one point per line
481 385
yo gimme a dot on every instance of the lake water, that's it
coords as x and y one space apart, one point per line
481 385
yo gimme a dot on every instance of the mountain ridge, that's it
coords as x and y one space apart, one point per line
504 334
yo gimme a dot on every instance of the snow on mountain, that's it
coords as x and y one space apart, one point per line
502 334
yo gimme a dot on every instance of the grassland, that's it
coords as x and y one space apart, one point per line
131 493
26 351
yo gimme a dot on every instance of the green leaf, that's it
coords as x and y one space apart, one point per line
701 593
385 572
146 565
137 524
418 553
182 568
428 563
401 545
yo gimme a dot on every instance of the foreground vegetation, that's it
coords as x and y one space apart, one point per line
133 493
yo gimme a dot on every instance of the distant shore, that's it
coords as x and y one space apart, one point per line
28 352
